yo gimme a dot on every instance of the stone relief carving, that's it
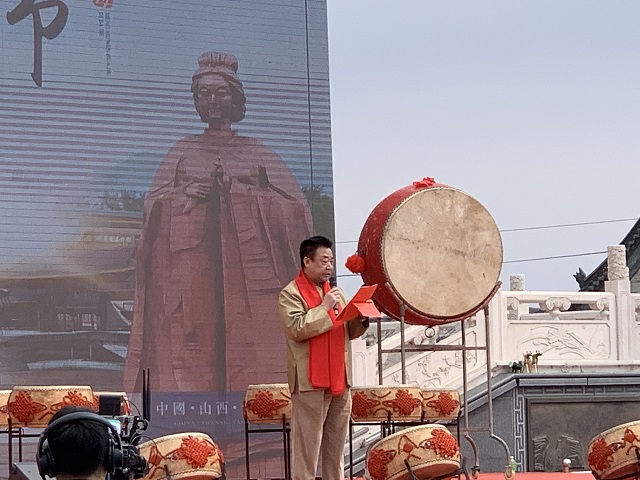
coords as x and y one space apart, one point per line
548 455
567 340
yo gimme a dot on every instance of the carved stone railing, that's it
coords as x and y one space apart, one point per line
573 331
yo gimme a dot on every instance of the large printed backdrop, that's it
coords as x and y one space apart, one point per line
94 96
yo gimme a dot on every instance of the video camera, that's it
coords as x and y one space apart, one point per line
129 430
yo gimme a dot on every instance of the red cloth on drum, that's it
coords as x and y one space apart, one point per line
326 351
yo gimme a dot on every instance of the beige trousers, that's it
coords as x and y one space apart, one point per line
319 425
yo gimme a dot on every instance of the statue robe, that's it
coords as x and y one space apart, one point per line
209 270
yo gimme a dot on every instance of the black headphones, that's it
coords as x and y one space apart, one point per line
117 459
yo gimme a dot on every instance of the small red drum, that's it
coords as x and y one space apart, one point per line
125 406
433 249
384 402
612 454
183 455
4 411
267 403
431 451
34 406
440 404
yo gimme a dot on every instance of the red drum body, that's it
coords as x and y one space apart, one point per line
433 249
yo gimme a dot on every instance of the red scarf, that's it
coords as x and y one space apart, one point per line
326 351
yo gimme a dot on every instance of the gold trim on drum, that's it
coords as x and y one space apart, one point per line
431 451
267 403
191 455
469 247
612 453
383 402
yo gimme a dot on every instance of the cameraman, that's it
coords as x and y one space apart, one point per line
77 449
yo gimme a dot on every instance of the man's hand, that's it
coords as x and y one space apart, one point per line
331 298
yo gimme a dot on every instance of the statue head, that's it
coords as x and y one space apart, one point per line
217 92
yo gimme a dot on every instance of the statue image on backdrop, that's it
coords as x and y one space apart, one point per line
223 220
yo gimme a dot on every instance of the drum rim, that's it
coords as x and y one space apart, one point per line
391 286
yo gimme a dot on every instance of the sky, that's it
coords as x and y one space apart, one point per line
531 107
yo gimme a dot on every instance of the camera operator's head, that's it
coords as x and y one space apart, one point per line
77 444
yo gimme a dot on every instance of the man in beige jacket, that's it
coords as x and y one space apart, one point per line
319 363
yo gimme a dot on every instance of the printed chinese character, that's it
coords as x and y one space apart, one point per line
205 408
161 408
178 408
51 31
222 407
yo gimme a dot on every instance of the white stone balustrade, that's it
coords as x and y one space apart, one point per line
573 331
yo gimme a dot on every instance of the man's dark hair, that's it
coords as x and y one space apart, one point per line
309 246
80 446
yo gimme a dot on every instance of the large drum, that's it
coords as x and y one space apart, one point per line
433 249
192 456
613 454
431 451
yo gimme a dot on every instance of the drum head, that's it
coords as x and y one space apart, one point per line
442 252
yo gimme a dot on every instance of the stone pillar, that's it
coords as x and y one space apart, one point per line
617 263
618 283
517 284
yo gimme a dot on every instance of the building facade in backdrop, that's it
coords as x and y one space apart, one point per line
160 163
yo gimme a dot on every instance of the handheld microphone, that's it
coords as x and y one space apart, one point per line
333 283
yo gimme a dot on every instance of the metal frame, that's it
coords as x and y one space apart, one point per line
463 429
286 443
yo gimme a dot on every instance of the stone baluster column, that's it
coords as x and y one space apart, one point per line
618 283
517 284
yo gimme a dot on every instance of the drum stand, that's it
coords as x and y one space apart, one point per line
464 348
286 442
